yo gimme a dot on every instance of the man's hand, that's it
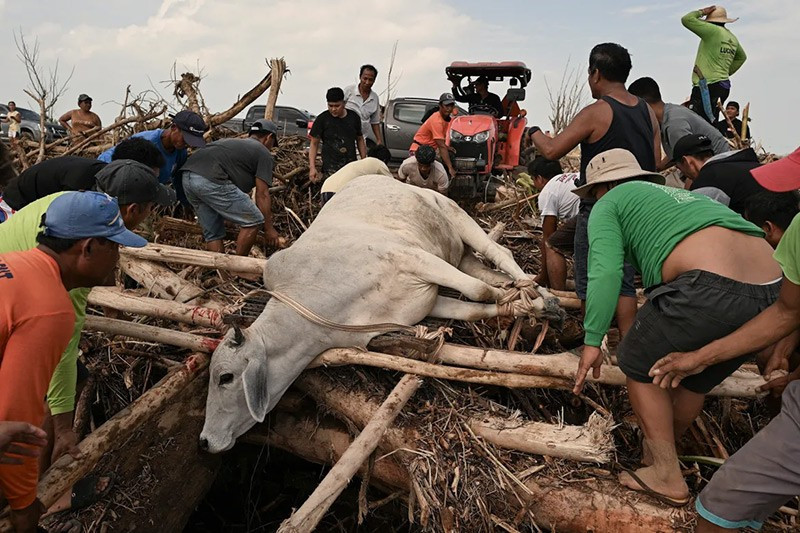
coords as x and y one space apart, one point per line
451 170
66 442
13 434
707 10
592 358
670 370
272 237
776 385
313 175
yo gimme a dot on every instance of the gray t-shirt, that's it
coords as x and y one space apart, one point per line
679 121
238 161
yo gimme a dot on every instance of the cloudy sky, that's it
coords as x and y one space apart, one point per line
113 43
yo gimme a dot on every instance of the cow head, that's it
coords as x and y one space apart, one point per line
237 389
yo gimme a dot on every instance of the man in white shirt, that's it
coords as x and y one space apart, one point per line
361 99
422 170
556 203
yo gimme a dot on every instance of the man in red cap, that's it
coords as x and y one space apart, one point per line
764 474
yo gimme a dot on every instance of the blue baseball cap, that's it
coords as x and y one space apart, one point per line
89 214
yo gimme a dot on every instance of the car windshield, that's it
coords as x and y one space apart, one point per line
27 114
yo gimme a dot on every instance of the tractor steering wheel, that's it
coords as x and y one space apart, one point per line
483 109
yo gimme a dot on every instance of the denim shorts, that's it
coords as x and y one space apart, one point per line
581 259
216 202
694 309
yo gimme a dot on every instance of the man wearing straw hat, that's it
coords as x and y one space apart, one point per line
719 56
707 272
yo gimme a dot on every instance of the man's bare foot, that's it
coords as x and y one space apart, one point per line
672 486
647 455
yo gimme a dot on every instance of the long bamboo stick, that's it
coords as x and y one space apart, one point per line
176 254
156 307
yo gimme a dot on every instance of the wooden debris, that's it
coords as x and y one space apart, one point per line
175 254
156 307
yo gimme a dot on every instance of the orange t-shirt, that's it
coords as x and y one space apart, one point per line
436 127
36 321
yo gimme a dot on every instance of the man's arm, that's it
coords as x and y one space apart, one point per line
444 153
96 122
442 182
656 138
362 146
376 129
312 159
264 204
64 120
578 130
691 21
738 60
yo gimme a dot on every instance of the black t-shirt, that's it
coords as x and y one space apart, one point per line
239 161
338 136
67 173
727 179
492 101
722 126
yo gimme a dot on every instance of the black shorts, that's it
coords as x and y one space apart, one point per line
687 313
563 239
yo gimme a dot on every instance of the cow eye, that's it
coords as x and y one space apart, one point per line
224 379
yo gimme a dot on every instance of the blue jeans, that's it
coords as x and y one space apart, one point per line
581 259
216 202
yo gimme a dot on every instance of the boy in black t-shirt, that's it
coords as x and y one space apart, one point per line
340 131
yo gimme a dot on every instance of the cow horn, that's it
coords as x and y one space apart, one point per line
238 336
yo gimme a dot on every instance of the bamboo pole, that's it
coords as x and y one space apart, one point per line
68 470
176 254
307 517
159 280
151 333
156 307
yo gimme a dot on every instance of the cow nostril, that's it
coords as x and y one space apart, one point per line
204 444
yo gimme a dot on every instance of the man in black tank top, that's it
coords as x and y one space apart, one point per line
617 119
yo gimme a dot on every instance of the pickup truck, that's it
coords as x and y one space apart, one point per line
290 120
401 120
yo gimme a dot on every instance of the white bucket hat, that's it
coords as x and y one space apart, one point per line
615 165
720 14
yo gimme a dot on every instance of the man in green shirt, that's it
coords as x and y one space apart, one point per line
137 190
719 56
707 271
764 474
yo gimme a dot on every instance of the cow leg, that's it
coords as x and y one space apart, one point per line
477 239
435 270
473 266
459 310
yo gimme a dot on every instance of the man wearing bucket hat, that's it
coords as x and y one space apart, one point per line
187 129
706 271
763 474
719 56
218 180
78 247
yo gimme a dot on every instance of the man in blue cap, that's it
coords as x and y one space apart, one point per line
218 180
77 247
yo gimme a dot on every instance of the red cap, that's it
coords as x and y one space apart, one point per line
782 175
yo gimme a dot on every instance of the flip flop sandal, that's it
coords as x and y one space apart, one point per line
85 493
645 489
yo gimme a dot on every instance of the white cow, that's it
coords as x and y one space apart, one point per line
377 252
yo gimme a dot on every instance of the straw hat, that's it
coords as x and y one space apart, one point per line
720 14
615 165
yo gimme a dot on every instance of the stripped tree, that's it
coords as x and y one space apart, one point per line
567 99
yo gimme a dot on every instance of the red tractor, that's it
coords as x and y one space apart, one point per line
486 144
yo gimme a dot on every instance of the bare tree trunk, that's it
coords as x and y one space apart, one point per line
277 70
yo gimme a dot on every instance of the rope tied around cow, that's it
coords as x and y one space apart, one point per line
525 298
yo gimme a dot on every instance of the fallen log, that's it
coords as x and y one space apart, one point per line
159 280
156 307
307 517
476 365
175 254
66 471
590 443
113 326
577 507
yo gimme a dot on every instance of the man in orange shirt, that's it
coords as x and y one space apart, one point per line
434 132
78 247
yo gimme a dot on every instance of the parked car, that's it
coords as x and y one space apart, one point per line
29 127
288 119
401 120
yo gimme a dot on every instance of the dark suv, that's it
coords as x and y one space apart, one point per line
29 127
290 120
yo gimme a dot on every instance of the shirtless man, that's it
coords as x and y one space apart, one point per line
707 272
79 121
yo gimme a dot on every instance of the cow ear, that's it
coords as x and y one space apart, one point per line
254 380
